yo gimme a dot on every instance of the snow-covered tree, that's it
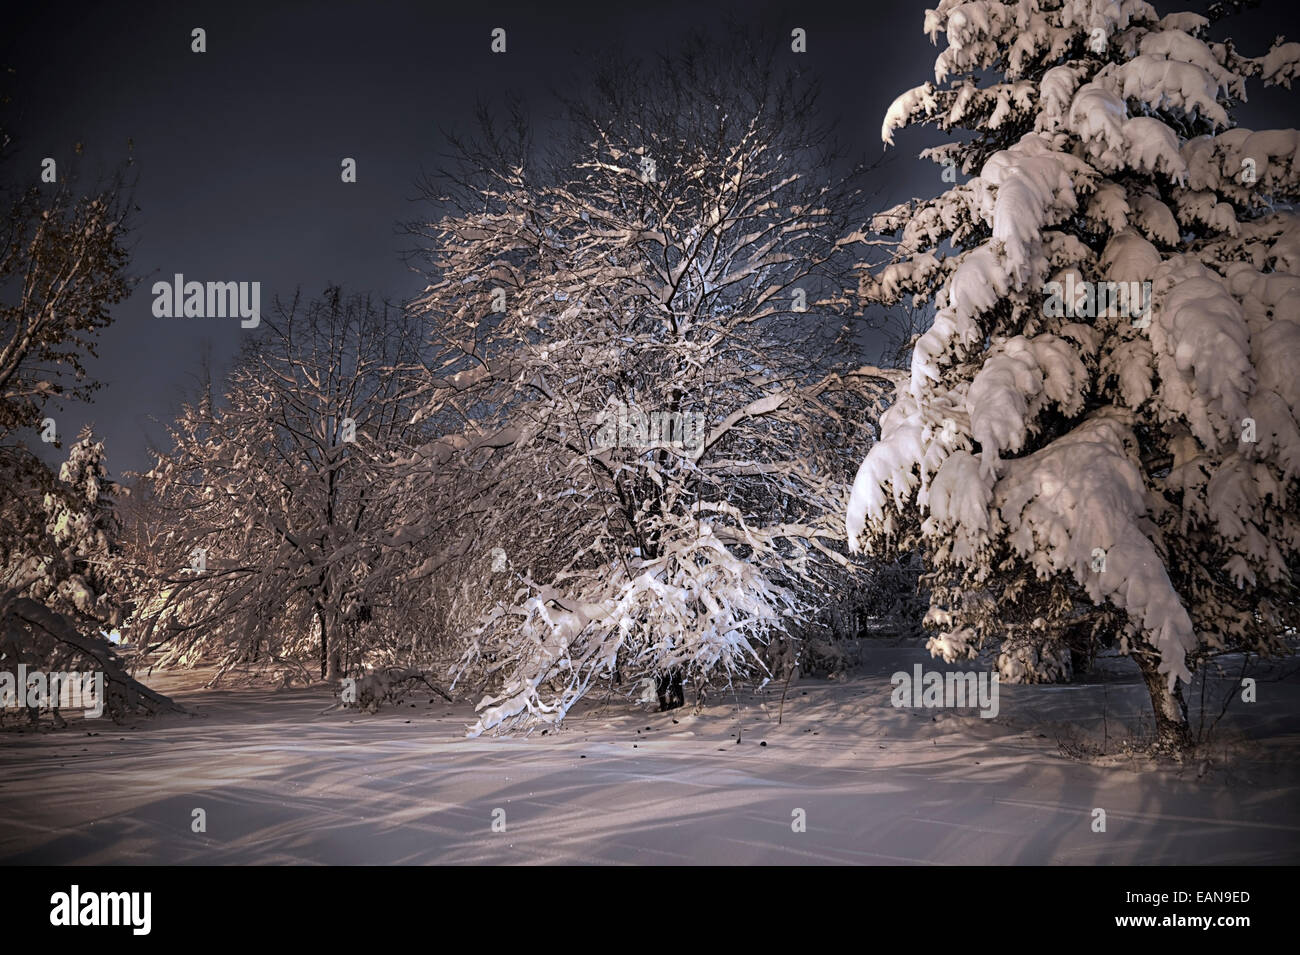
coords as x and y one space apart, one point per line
275 501
62 266
1098 436
63 579
71 564
83 525
651 444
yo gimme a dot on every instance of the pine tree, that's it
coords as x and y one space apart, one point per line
1098 437
84 527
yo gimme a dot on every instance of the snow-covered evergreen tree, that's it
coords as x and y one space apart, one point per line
83 525
1098 437
70 562
63 579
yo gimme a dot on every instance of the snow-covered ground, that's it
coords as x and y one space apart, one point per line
281 781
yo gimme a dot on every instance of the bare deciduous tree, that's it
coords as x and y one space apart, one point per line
275 498
645 417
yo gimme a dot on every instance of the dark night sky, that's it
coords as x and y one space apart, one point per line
237 150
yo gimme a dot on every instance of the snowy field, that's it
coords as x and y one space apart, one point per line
285 779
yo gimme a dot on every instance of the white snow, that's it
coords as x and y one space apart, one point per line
284 783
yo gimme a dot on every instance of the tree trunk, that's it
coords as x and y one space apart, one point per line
1173 737
669 689
330 662
324 643
1080 664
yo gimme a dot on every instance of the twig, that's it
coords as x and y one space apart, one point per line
780 713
